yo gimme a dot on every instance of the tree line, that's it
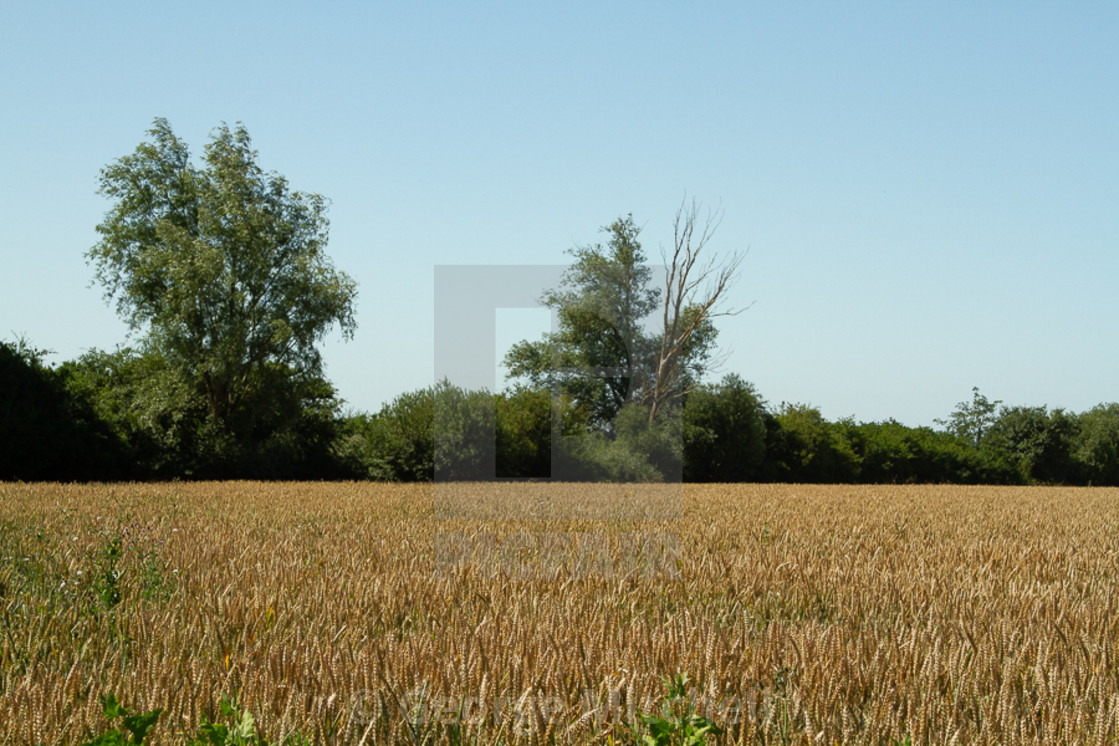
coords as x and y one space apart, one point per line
729 433
94 419
220 270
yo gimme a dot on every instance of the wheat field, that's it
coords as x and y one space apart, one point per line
540 613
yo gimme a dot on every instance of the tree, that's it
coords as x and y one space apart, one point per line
724 432
970 421
889 452
1033 443
395 444
524 433
151 409
224 270
609 357
606 354
1096 448
601 355
804 447
49 431
693 293
465 433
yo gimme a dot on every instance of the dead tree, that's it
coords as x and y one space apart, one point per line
694 294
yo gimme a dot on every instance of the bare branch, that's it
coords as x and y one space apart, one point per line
695 290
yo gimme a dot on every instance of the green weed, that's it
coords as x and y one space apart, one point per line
678 724
239 729
133 728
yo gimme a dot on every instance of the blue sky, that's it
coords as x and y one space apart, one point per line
929 192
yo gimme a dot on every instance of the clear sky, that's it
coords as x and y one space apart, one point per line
929 191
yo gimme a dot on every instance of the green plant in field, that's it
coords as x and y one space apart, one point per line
238 730
155 584
678 724
153 581
133 728
129 557
782 678
107 574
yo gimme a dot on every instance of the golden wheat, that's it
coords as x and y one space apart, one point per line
536 613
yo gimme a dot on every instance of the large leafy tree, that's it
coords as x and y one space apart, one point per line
623 368
609 350
223 268
601 355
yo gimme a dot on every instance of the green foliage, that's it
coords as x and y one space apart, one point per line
1096 449
804 447
224 269
398 442
524 433
659 443
677 724
235 727
1033 443
889 452
603 362
49 432
727 435
635 450
395 444
162 425
970 421
465 433
724 433
127 563
287 427
154 414
601 356
107 574
133 728
239 729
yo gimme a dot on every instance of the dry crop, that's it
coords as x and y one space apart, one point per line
532 613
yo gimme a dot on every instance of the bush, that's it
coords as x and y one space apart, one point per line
1096 447
889 452
724 433
49 431
804 447
1033 444
396 444
465 433
524 434
632 451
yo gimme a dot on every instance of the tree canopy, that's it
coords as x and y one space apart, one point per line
601 355
610 349
222 266
223 270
